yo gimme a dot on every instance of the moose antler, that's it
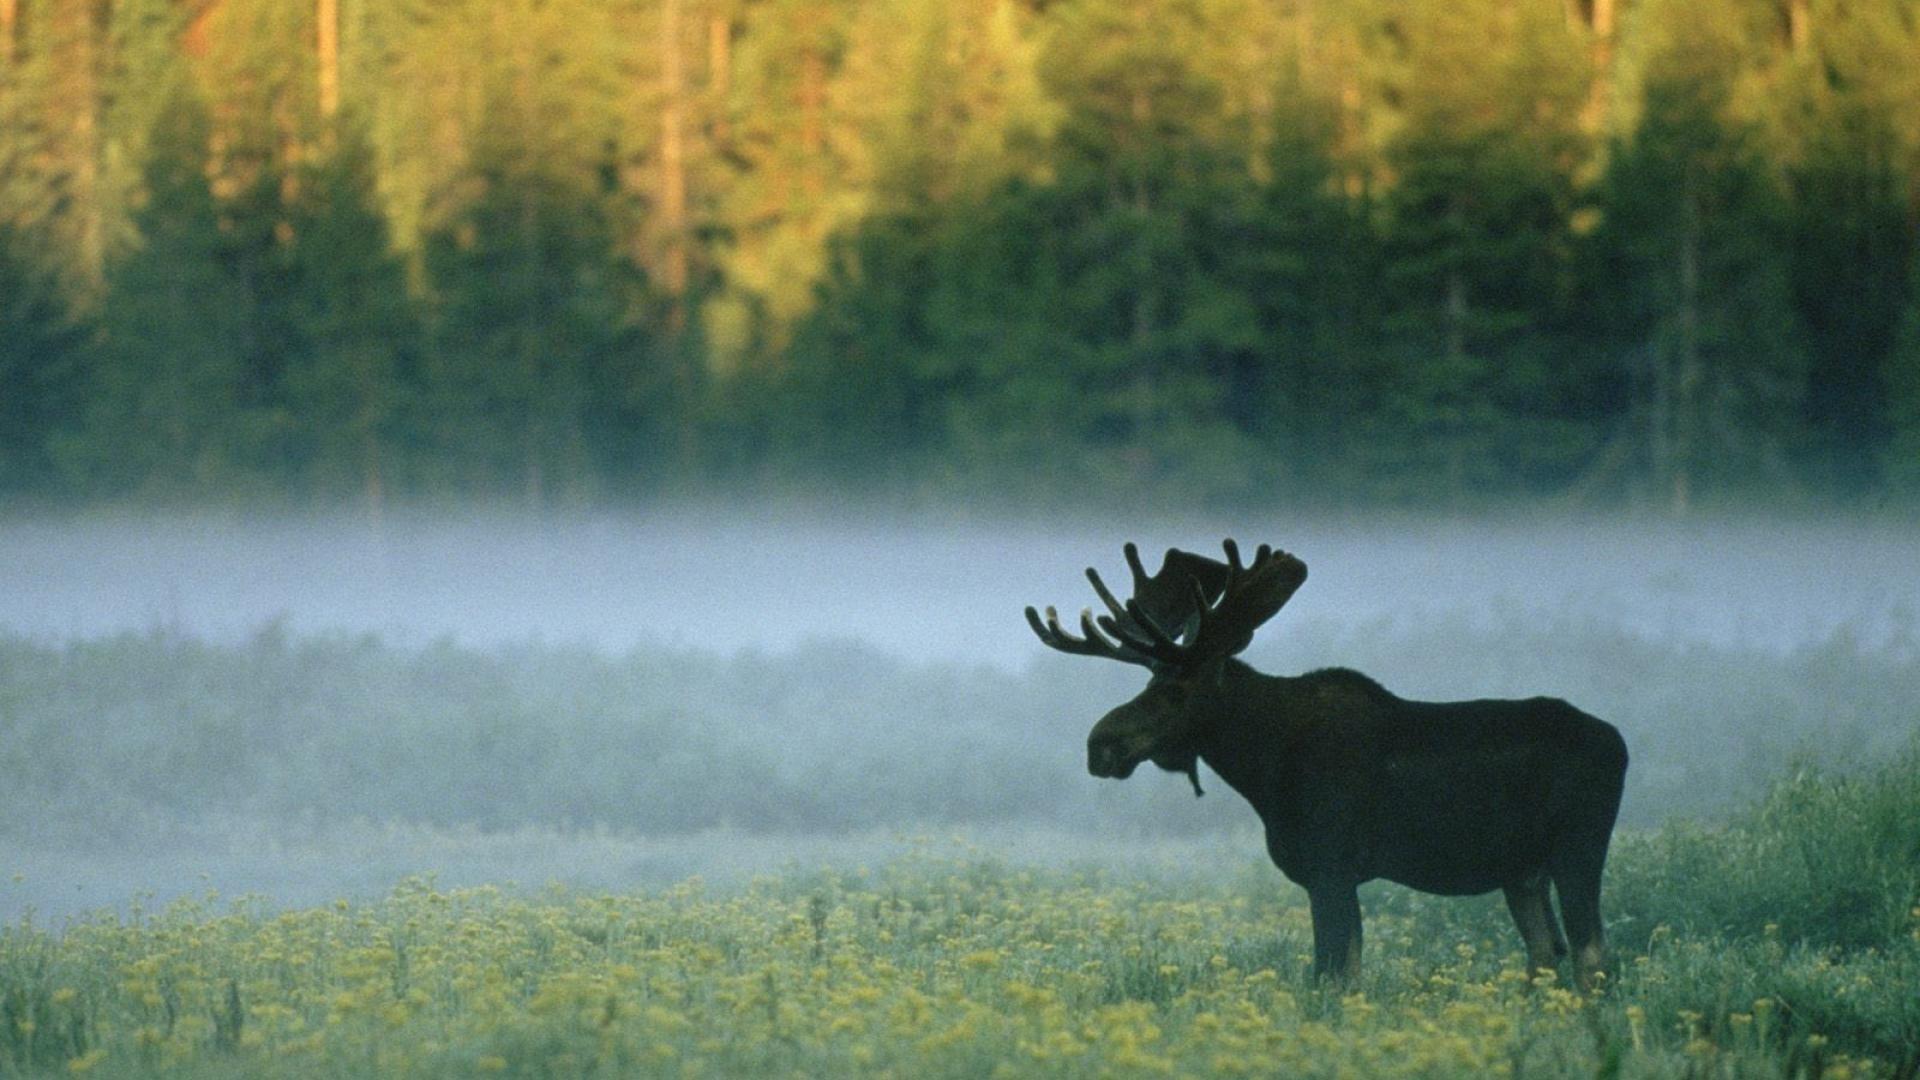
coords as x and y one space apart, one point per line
1175 604
1091 643
1165 599
1249 597
1163 596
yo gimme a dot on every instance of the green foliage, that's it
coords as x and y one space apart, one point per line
944 967
38 355
1902 456
1825 859
1201 253
1696 282
353 344
170 411
1476 247
526 309
1852 139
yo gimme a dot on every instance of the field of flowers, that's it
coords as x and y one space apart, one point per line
930 967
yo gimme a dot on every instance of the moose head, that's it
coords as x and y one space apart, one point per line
1184 624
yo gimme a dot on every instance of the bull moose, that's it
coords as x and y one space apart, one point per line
1352 782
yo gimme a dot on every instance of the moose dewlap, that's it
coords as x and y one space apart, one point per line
1352 782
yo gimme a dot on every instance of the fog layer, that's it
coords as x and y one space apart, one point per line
304 708
942 590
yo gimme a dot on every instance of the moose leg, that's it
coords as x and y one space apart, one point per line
1527 901
1336 931
1576 878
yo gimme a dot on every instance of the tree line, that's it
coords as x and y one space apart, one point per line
1652 253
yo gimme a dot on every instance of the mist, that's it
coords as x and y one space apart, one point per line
306 708
936 589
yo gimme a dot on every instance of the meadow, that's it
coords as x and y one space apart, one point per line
1784 941
1763 899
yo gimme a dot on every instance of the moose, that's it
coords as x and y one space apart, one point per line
1351 782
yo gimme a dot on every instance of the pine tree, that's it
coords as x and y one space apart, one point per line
908 318
164 417
1847 119
528 291
1477 241
1310 267
1693 284
353 339
1901 456
1149 204
799 176
38 353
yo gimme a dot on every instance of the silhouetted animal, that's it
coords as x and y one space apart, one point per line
1353 783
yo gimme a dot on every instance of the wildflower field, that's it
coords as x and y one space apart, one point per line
1785 942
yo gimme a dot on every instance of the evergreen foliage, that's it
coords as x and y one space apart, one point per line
353 340
1203 252
37 356
167 409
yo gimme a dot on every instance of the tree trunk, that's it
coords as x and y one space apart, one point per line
673 167
1146 310
813 118
372 479
77 41
327 46
1454 422
719 70
1687 379
812 100
1659 372
9 32
1600 87
1456 315
528 340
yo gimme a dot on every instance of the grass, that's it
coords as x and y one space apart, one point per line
1785 942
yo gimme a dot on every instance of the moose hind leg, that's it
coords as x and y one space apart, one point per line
1527 901
1576 878
1336 932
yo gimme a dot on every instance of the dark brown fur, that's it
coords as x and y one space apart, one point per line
1354 783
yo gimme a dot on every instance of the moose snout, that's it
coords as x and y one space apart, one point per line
1107 759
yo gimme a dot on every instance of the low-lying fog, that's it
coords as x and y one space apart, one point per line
310 709
951 590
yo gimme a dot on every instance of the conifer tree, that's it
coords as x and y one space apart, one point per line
353 340
1901 455
1694 284
164 417
1149 201
528 295
1310 268
1847 121
1478 214
38 353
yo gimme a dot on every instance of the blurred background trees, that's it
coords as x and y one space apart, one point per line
1644 253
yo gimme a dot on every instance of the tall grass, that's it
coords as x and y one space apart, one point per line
1726 967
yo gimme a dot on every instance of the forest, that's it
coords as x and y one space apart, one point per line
1646 254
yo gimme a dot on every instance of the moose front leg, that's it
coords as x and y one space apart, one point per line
1336 931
